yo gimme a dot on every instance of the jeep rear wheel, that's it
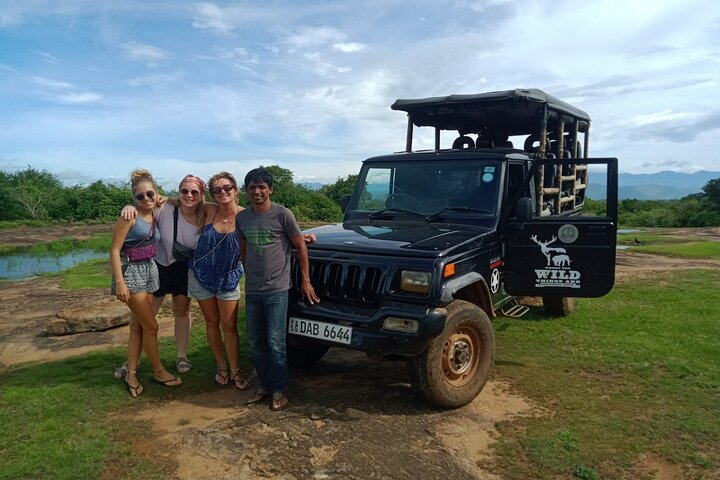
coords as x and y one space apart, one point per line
559 306
455 367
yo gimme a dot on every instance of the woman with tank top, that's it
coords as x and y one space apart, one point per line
214 279
189 209
135 277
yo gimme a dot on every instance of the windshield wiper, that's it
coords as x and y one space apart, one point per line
436 215
385 210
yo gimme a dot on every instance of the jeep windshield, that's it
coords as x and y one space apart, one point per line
438 190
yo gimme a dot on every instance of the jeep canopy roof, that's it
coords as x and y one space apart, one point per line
510 112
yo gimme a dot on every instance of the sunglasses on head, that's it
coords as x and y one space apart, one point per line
224 188
185 191
141 196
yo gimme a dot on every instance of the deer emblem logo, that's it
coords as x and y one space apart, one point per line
555 256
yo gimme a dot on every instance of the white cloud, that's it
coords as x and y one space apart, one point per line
314 36
350 47
79 98
53 84
146 53
209 16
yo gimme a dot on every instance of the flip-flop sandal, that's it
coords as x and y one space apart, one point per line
223 374
134 391
238 380
257 397
277 407
168 382
183 365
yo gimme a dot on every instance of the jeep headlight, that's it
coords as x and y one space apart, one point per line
415 282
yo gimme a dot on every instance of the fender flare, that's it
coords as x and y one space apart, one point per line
456 284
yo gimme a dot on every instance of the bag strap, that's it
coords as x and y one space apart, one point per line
152 230
175 220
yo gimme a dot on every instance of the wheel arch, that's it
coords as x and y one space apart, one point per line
471 288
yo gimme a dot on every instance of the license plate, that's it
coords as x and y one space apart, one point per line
320 330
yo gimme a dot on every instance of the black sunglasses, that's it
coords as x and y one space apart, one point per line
141 196
224 188
185 191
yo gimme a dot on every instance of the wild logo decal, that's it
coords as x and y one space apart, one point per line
558 271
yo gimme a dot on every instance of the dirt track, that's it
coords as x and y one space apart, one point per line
350 417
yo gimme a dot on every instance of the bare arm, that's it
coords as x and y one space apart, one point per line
306 288
120 231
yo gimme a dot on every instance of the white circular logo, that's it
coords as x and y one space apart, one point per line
568 233
495 281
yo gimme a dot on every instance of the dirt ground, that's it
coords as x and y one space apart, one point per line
350 417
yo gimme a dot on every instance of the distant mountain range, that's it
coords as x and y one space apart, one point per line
655 186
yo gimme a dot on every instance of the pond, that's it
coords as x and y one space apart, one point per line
19 267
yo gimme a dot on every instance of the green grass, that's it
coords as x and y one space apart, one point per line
630 373
92 274
669 245
58 419
98 242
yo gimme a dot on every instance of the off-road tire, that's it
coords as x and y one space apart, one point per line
559 306
453 370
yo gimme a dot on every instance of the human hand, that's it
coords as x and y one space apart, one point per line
122 292
161 200
310 238
308 293
128 212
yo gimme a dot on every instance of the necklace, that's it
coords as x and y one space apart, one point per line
227 219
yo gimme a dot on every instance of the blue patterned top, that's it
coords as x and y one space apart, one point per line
216 263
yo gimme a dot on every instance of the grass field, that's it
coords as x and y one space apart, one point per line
629 375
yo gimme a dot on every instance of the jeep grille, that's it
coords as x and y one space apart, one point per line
338 281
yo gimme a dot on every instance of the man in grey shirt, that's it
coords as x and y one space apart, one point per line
267 232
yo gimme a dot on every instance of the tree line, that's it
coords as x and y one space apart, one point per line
33 194
38 195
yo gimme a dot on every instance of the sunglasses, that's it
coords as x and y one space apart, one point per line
141 196
224 188
185 191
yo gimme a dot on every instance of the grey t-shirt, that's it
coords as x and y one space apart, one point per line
267 256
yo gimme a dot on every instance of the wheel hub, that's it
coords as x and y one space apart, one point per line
460 358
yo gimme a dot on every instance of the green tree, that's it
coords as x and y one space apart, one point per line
340 188
712 191
36 191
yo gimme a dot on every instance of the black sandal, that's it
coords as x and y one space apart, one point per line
238 380
134 391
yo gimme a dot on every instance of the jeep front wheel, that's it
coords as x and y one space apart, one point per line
453 370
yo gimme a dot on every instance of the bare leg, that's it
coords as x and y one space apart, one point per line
181 312
135 340
211 313
141 306
228 320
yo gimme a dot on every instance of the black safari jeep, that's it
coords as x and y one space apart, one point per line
435 243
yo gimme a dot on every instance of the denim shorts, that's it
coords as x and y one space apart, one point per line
198 292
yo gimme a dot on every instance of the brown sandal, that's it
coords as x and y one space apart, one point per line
238 380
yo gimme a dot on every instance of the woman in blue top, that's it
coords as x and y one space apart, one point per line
214 278
135 277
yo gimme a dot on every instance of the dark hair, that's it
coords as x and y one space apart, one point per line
259 175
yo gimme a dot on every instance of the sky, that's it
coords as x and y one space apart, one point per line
94 89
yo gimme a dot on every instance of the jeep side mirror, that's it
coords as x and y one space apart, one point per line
523 209
344 200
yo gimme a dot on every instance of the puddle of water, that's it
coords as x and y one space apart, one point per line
627 230
18 267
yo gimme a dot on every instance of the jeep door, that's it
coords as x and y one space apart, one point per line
567 251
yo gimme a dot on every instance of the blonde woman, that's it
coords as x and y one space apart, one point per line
135 278
214 279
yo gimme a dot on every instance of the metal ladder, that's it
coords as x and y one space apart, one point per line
514 310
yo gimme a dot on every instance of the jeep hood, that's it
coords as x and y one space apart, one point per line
400 239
